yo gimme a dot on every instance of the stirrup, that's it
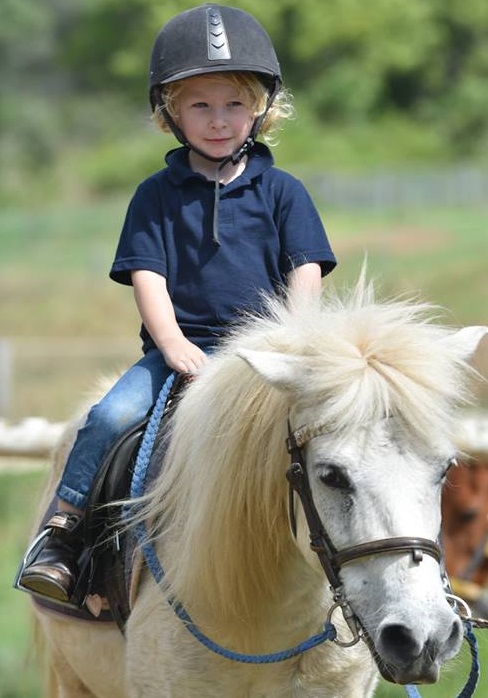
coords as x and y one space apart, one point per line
30 555
59 523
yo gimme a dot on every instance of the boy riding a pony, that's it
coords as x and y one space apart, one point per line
204 240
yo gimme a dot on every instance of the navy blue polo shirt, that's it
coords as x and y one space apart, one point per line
267 226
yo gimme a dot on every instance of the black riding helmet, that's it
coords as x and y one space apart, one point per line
207 39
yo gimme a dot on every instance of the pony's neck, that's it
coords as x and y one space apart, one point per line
255 617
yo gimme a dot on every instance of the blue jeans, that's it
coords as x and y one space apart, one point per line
124 406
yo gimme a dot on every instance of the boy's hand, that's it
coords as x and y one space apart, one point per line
158 316
182 355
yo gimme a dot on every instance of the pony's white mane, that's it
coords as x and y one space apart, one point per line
225 542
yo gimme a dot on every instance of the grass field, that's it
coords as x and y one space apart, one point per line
54 263
68 322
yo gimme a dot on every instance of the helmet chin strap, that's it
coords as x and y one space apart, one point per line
234 158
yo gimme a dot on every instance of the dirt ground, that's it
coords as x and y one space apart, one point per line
399 242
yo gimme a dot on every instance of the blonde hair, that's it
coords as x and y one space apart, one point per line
252 91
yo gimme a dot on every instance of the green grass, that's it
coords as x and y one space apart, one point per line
19 495
453 676
54 263
438 254
19 678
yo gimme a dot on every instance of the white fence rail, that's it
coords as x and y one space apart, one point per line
33 437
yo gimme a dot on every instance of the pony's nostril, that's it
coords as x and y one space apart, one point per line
400 643
455 636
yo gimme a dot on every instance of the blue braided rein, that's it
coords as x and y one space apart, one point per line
137 490
152 561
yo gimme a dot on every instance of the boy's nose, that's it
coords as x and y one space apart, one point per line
217 117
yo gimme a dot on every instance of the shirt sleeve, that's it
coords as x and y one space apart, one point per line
141 243
302 235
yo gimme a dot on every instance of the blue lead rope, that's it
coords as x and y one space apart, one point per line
329 631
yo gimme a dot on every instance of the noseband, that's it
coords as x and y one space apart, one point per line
331 559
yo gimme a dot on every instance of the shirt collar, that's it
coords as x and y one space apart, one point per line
259 160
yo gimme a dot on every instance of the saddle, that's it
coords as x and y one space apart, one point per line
109 558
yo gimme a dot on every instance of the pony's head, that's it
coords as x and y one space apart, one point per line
376 386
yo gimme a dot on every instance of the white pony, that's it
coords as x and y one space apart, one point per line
369 391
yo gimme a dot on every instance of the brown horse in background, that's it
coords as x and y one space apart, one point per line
465 530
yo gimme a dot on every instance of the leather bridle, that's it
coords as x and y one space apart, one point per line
331 559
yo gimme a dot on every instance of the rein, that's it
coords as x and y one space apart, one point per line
157 571
330 559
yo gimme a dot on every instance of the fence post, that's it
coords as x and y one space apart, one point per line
5 376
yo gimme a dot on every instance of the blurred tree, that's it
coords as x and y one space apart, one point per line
27 50
352 59
71 69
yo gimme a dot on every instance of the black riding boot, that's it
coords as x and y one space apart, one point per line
54 570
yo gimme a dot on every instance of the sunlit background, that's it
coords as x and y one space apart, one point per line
391 138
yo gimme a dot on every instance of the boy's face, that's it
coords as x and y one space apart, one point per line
213 116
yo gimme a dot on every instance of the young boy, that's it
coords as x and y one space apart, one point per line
203 239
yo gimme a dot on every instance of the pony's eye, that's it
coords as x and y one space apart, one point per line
334 476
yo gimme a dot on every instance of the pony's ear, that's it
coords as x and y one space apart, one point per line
464 342
282 371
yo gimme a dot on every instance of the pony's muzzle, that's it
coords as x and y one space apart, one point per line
406 656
